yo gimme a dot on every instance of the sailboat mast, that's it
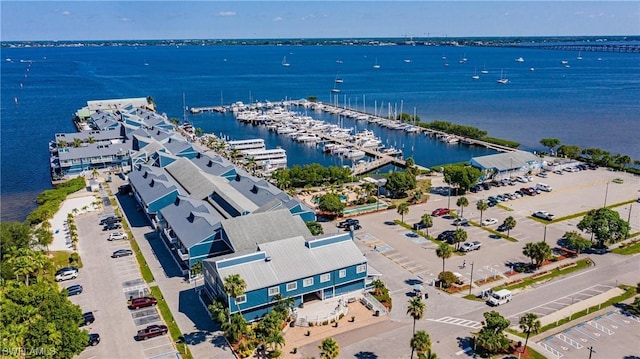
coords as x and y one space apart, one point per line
184 108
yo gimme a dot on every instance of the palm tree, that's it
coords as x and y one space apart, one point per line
462 202
95 173
444 251
196 270
416 310
275 340
77 142
234 286
421 342
62 144
403 208
378 286
330 349
368 188
91 139
509 224
235 327
459 236
428 355
427 221
219 311
481 206
529 323
416 196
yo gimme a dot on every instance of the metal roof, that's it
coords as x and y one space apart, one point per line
191 220
506 161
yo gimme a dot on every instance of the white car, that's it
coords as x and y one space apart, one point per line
66 274
117 236
544 215
470 246
489 221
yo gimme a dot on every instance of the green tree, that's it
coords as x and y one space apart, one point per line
509 224
550 143
491 337
235 327
398 183
538 252
416 310
529 323
15 234
196 270
570 151
459 236
91 139
447 278
234 286
461 177
462 202
428 355
219 311
481 206
416 196
444 251
606 225
330 202
378 286
427 221
403 208
623 160
574 240
329 349
315 228
420 342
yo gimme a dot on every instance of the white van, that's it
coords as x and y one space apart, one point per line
500 297
544 187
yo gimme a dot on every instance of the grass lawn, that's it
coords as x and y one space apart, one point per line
544 276
61 259
630 249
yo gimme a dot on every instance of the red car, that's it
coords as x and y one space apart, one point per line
440 212
152 331
142 302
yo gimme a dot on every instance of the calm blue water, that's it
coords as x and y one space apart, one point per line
591 104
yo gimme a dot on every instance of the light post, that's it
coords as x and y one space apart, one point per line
449 198
471 280
606 192
628 221
545 233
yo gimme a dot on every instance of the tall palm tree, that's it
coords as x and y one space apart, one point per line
462 202
77 142
481 206
91 139
377 285
509 224
416 310
329 349
403 208
459 236
235 327
420 342
444 251
428 355
275 340
529 323
427 221
234 286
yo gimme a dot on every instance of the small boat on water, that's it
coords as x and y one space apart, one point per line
376 66
502 80
407 61
335 90
475 76
284 62
484 70
532 69
579 55
564 62
520 59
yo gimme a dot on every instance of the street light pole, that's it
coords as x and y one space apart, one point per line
545 233
471 280
606 192
449 198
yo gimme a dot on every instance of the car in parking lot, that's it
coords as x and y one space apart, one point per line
66 273
543 215
494 199
122 253
115 236
460 221
418 226
74 289
489 221
528 191
110 219
542 174
94 339
440 212
111 226
151 331
142 302
502 228
354 226
558 172
87 318
470 246
486 186
348 222
446 236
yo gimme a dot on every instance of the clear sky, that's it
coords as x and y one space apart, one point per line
138 20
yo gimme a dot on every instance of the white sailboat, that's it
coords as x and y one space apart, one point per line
484 70
376 66
502 81
475 75
284 62
579 55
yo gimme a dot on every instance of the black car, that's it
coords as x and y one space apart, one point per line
74 289
486 186
87 318
111 226
122 253
354 226
418 226
94 339
446 236
348 222
110 219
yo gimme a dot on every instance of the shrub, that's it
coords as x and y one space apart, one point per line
326 322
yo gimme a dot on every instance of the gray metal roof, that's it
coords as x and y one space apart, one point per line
507 160
88 150
215 165
151 183
245 232
290 260
191 178
191 220
116 103
262 192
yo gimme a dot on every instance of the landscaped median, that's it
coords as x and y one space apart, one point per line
546 275
174 330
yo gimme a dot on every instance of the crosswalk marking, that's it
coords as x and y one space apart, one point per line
459 322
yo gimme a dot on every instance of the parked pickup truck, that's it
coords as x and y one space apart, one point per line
470 246
151 332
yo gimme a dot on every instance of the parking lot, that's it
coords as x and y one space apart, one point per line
108 283
611 334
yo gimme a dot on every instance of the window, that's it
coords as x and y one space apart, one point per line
292 286
342 273
325 277
307 282
241 299
274 290
361 268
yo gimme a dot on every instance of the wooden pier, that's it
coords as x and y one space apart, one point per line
195 110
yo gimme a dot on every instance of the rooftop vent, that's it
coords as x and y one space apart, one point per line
267 259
